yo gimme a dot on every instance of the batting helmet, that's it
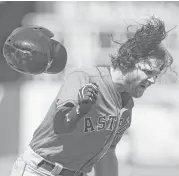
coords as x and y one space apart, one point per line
31 50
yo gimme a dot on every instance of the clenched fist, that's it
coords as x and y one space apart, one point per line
87 96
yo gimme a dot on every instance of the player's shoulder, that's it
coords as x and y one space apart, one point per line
91 71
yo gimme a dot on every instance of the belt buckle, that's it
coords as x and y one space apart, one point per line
57 169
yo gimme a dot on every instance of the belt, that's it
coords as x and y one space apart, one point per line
64 172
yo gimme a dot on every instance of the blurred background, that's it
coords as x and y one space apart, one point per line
151 146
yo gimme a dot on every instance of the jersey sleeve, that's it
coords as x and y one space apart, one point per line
66 102
68 93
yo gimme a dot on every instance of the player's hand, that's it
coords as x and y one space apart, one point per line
88 93
87 96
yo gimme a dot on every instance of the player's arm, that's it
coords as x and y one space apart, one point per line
108 165
75 99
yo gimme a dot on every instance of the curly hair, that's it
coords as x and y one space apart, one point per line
145 42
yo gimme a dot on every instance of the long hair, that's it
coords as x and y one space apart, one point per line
145 42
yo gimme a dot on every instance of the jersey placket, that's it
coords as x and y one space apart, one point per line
109 142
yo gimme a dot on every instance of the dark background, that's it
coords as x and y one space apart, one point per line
11 14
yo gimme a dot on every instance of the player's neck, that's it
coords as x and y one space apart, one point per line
118 79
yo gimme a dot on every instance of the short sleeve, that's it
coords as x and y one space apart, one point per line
69 90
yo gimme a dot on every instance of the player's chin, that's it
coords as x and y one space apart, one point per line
138 94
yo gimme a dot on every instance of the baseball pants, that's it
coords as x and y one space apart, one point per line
27 164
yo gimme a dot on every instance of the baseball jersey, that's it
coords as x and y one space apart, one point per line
99 129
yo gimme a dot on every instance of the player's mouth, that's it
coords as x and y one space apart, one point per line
145 85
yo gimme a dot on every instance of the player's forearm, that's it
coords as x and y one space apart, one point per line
69 114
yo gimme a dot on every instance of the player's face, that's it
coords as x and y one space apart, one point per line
143 76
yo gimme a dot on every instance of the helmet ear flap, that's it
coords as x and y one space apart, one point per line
58 58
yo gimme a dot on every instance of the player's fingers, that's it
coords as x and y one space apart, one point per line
92 90
93 86
92 97
89 97
88 93
86 99
95 96
92 94
85 91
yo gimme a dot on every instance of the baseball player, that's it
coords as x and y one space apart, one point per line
93 109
